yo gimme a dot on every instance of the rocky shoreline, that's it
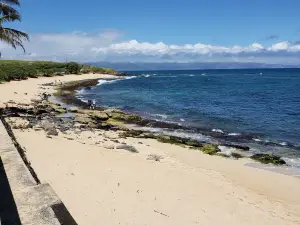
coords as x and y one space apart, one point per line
54 118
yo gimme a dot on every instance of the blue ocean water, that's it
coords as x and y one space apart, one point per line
261 103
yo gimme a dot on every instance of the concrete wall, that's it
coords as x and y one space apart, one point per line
35 204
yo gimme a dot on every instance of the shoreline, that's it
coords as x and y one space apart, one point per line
67 94
131 187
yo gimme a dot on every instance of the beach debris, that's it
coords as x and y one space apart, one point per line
128 148
154 157
161 213
268 159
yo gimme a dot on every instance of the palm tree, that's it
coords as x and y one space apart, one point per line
11 36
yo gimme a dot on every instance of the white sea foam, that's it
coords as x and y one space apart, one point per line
226 150
163 116
256 139
80 91
191 75
234 134
283 143
131 77
182 120
217 131
295 162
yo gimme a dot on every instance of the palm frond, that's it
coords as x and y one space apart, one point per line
13 37
10 18
12 2
6 9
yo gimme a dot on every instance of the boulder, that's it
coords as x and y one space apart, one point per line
98 115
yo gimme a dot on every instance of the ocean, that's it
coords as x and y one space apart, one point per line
257 107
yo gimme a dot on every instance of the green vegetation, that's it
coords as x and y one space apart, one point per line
20 70
268 158
210 149
9 14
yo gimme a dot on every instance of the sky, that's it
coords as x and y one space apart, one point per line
266 31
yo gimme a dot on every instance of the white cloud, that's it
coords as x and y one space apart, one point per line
81 46
280 46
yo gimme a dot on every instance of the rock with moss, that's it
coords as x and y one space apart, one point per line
113 112
210 149
268 159
73 109
83 119
131 133
98 115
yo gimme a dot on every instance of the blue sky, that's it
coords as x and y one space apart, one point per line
109 28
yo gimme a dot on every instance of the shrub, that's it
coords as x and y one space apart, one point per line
3 76
73 67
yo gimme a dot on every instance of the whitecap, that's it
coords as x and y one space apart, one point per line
182 120
283 143
256 139
234 134
217 131
131 77
191 75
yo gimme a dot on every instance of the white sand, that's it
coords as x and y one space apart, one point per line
109 186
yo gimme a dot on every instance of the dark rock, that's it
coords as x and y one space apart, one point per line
241 147
268 159
128 148
236 155
52 132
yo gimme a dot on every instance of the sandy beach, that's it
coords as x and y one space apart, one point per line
100 184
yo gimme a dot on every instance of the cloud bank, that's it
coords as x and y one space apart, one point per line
82 46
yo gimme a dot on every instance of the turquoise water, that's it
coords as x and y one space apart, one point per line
260 107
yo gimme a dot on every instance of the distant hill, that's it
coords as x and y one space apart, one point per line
136 66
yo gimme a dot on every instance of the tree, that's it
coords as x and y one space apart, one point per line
9 14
